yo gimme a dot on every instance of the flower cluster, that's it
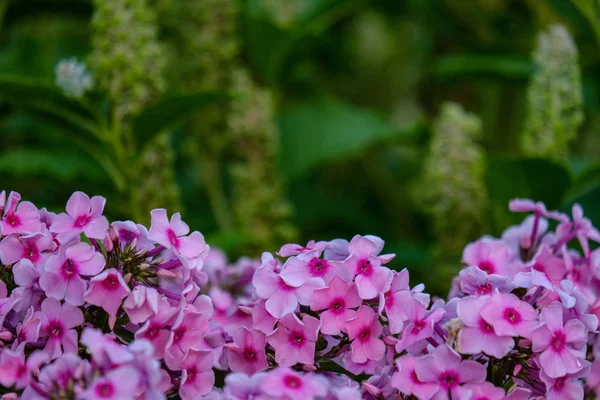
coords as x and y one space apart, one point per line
92 310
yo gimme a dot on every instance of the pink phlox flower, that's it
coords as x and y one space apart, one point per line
141 304
281 297
393 301
336 250
104 348
16 369
83 215
298 269
129 232
420 326
62 276
445 369
284 383
405 379
563 388
539 208
563 347
477 335
544 269
365 331
484 391
58 322
239 386
187 333
292 249
157 330
171 234
28 331
6 302
294 340
46 217
366 267
35 247
26 276
474 281
118 384
62 374
197 377
584 228
247 352
510 316
518 237
262 320
338 300
20 217
223 304
491 256
107 290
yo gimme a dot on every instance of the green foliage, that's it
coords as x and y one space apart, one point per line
554 96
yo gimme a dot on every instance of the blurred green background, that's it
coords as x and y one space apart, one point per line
268 121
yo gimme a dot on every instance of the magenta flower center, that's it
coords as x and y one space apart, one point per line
366 268
249 354
512 316
105 389
418 326
191 375
292 382
449 379
297 338
152 333
12 220
82 221
487 267
55 329
111 282
338 305
485 327
31 252
178 334
21 371
559 384
484 289
558 341
69 268
284 286
318 267
414 377
539 267
173 239
365 334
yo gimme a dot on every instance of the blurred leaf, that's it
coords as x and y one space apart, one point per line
589 200
62 165
169 111
326 130
40 97
591 10
469 65
536 179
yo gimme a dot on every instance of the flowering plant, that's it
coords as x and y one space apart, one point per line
92 310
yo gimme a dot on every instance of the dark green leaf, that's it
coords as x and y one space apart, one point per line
536 179
326 130
169 111
471 65
40 97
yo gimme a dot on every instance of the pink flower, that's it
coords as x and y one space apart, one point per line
294 340
283 383
22 219
117 384
405 379
545 269
156 328
371 278
293 249
15 369
104 348
477 282
563 388
243 387
83 215
491 256
485 391
394 301
35 247
171 235
187 333
365 330
107 290
29 291
282 298
298 269
477 335
510 316
197 377
247 352
141 304
421 324
58 322
563 347
338 299
445 368
61 278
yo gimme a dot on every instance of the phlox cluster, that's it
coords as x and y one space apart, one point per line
97 310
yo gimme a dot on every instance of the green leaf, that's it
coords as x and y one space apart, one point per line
326 130
40 97
591 10
469 65
169 111
536 179
62 165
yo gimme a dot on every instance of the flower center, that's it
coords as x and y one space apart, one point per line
512 316
487 267
485 327
55 329
69 267
297 338
365 267
191 374
484 289
448 379
178 335
292 382
318 267
338 305
105 389
12 220
152 333
365 334
249 354
111 282
82 221
558 340
419 325
173 239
